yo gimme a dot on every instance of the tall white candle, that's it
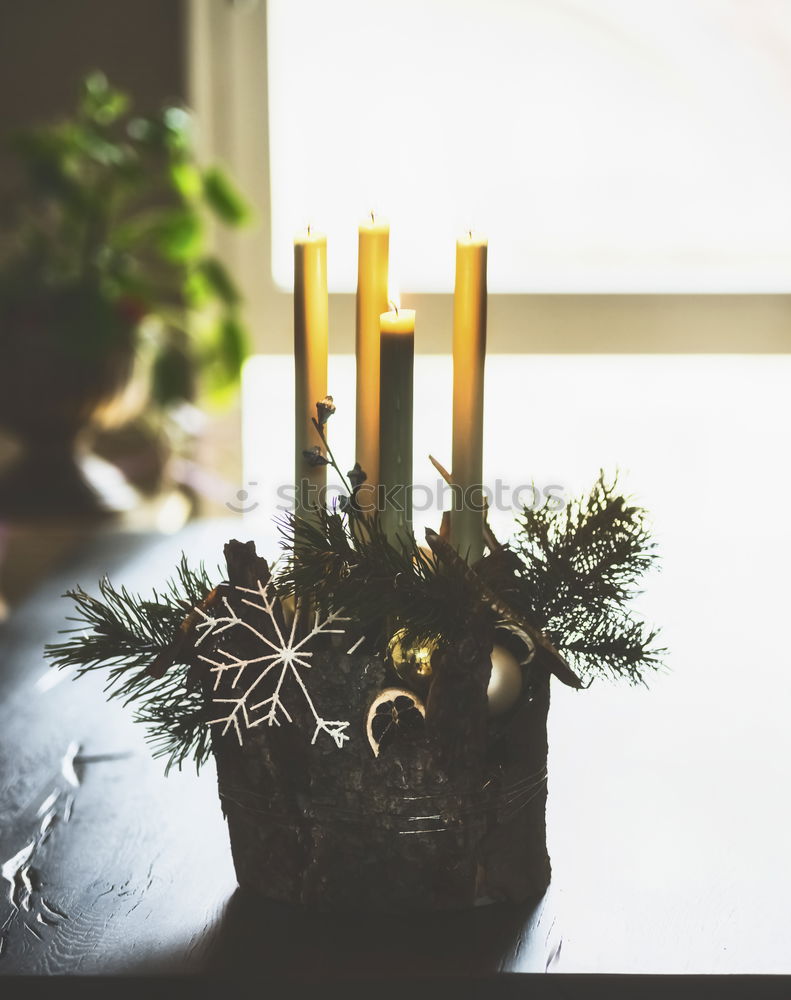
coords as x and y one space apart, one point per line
372 301
469 355
311 327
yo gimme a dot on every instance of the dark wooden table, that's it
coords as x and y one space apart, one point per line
663 863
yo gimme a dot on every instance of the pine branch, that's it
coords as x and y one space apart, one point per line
579 569
348 563
176 720
122 633
570 576
595 548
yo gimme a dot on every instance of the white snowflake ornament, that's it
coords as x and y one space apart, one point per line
262 682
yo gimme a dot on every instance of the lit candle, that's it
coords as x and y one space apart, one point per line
469 354
372 301
397 361
311 306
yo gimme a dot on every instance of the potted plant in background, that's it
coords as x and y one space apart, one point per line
104 269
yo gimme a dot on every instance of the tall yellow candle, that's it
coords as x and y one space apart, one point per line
395 420
372 301
311 325
469 354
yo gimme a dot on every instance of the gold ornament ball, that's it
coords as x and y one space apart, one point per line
411 663
505 682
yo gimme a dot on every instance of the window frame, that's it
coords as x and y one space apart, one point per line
228 84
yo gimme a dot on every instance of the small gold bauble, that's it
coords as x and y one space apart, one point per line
411 663
505 682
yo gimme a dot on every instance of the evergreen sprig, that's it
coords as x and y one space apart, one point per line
570 573
347 562
579 570
122 633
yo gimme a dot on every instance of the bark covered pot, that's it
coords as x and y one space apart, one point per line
447 813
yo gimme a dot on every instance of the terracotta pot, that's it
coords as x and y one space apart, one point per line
63 355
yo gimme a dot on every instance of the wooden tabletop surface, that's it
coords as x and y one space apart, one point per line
668 813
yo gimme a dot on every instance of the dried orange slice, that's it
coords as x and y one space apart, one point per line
394 712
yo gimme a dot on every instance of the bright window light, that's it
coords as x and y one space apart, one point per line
602 145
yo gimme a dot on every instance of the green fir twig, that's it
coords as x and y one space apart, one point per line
570 573
578 572
122 633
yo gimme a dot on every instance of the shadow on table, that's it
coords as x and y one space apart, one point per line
286 940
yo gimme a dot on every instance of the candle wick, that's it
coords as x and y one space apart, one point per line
308 229
469 234
395 307
373 218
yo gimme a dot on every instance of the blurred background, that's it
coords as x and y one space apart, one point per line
628 163
122 330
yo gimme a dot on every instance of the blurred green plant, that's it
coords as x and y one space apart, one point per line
115 217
